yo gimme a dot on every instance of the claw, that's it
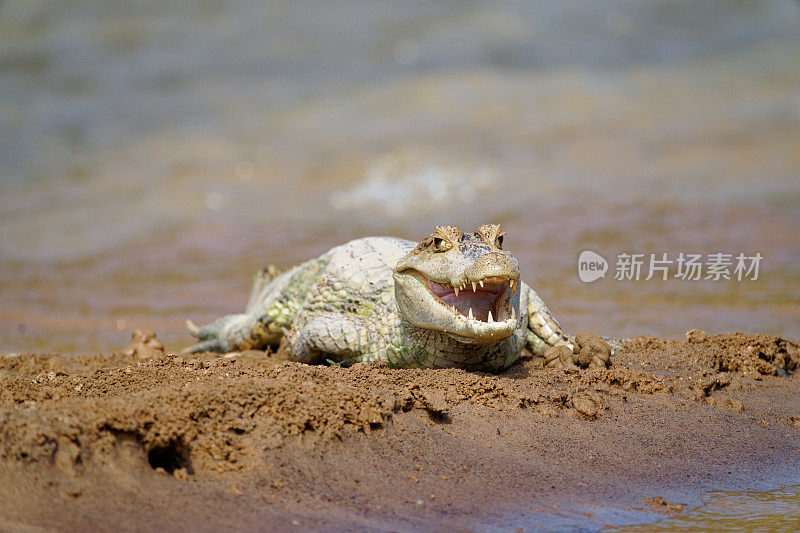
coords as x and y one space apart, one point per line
193 328
203 346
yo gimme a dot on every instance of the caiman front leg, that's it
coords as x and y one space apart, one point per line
544 332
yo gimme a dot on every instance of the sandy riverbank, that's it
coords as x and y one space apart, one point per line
250 441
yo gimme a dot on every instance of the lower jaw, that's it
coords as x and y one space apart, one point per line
477 308
479 314
476 340
479 329
497 332
480 309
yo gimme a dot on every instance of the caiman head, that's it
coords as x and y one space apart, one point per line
461 284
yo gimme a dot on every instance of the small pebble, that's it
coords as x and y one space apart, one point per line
585 406
696 335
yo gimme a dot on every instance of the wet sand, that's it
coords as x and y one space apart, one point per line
143 439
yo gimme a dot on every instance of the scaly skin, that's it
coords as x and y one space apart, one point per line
382 299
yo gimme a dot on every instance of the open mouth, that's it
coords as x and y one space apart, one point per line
485 310
486 300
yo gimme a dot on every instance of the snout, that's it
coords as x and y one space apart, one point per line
496 266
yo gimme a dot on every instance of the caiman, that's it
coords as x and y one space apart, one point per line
452 300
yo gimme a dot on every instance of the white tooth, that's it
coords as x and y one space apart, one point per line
474 289
456 291
513 314
470 313
481 282
490 317
511 283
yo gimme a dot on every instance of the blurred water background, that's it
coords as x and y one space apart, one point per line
153 155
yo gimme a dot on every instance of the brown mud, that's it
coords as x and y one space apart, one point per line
144 439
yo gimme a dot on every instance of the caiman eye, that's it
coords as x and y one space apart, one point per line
440 245
499 242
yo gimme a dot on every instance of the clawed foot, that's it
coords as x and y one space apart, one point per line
591 351
210 337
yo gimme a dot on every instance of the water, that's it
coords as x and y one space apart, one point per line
153 155
775 510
